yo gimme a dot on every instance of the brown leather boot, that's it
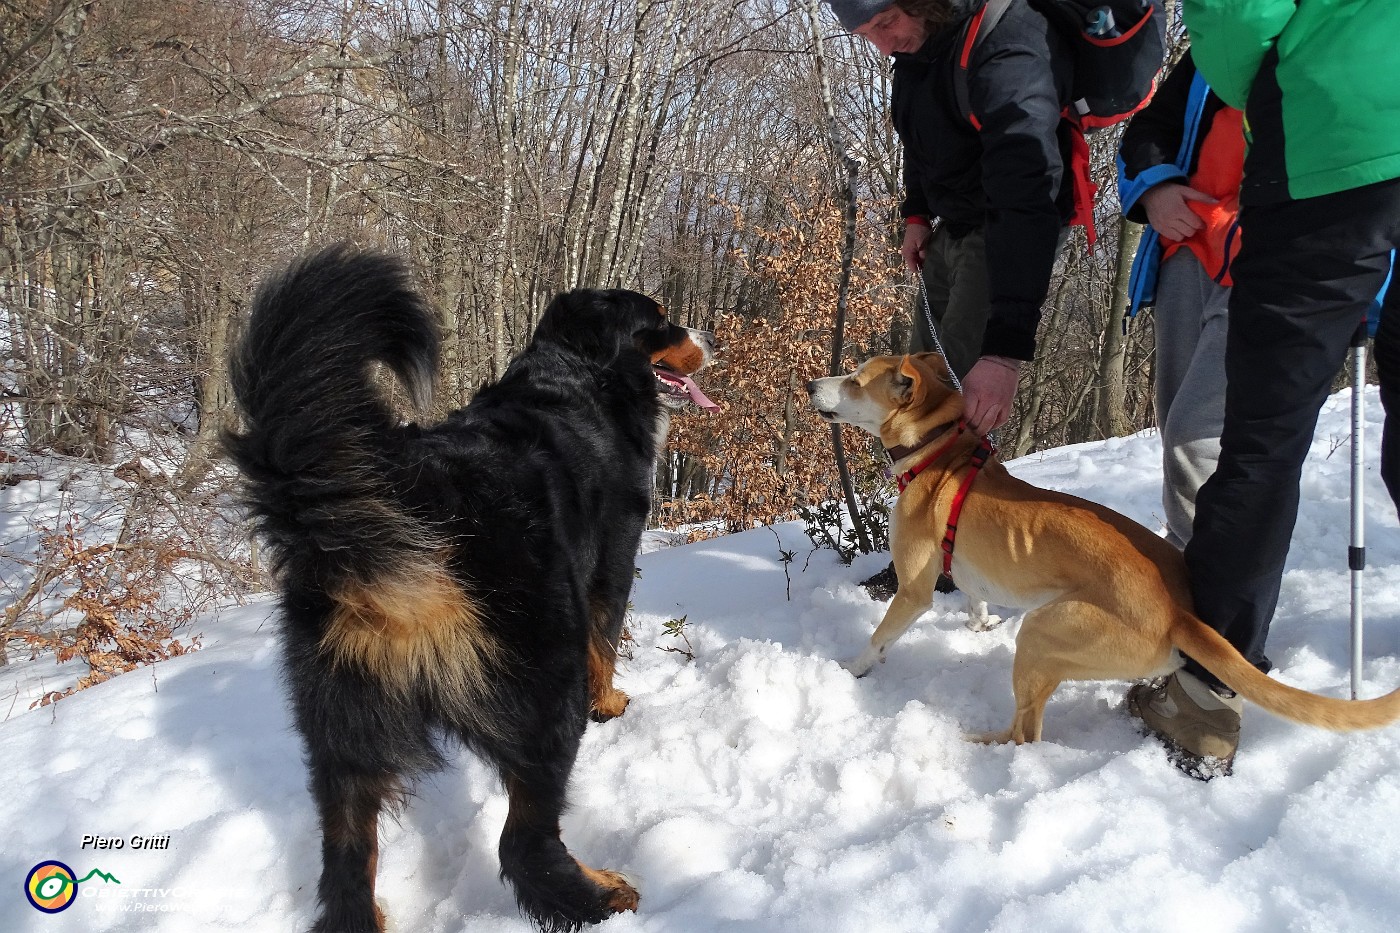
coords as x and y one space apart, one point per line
1201 728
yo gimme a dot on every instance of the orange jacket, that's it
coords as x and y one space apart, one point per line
1219 172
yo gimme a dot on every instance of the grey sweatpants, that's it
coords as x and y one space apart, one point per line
1190 319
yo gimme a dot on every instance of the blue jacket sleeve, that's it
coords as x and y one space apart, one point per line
1151 148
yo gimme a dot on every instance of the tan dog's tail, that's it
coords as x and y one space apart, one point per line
1218 656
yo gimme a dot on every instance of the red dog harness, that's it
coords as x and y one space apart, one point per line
980 455
907 477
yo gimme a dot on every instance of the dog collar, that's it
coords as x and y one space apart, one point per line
898 453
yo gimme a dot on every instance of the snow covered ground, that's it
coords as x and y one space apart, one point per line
759 787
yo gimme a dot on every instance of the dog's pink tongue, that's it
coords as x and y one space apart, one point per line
691 389
696 395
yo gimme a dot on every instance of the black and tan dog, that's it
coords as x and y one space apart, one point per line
1106 599
462 580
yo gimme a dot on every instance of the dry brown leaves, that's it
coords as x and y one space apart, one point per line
766 452
116 589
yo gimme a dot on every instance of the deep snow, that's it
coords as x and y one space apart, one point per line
760 787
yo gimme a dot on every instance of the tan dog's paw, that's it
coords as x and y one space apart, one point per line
978 620
983 625
861 666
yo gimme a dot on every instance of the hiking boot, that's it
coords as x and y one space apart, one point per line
1200 726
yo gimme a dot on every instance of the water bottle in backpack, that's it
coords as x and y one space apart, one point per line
1100 24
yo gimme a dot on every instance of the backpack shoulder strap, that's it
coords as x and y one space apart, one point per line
977 28
1195 110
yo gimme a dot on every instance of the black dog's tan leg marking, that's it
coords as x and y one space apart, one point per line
349 806
605 626
605 701
414 628
557 890
621 895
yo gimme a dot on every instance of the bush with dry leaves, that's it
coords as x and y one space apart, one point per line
766 455
115 588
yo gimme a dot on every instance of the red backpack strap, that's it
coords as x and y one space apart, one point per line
983 22
1081 180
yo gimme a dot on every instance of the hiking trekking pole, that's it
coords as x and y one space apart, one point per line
1356 554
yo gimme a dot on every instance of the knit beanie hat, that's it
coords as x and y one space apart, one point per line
854 14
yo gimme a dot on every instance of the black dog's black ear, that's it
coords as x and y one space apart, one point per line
583 321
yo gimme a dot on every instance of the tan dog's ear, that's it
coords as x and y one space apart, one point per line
903 381
923 372
931 396
908 369
924 366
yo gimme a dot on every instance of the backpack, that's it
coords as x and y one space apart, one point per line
1119 48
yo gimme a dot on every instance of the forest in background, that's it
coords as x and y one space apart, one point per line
158 159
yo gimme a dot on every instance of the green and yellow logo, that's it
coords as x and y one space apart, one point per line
52 886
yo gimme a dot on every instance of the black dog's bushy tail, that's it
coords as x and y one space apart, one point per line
315 447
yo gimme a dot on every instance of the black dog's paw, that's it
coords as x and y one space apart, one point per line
609 707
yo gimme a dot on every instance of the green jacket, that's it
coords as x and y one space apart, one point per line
1319 82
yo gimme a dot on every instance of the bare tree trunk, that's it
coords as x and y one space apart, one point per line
1112 402
631 143
840 154
507 117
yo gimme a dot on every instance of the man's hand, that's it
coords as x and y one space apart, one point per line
1168 211
915 243
988 390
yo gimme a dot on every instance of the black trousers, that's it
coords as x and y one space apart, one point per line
1305 275
955 277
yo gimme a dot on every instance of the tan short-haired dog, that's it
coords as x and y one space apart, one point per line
1105 599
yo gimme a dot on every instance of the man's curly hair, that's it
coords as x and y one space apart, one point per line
935 13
